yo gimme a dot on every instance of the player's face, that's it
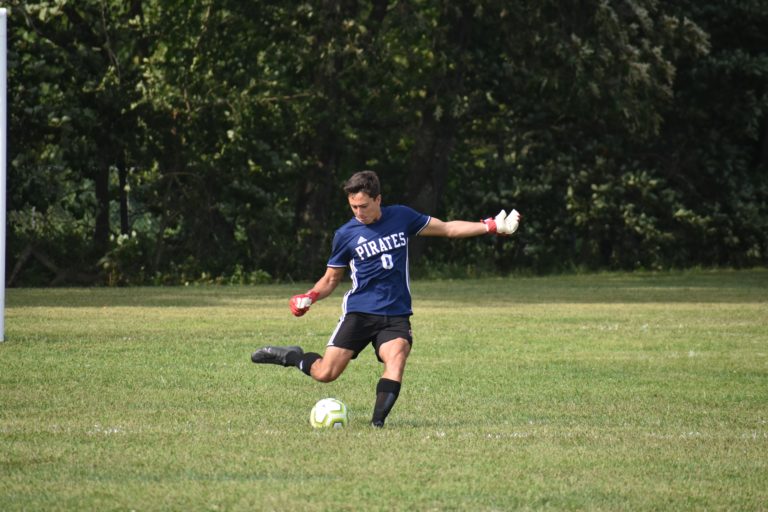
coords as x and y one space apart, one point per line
366 209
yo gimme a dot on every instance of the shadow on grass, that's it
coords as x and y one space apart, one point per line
720 286
696 286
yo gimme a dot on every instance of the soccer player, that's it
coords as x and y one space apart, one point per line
377 309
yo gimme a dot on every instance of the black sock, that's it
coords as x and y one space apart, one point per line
387 392
293 358
304 363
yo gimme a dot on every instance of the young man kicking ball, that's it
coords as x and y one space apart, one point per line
377 309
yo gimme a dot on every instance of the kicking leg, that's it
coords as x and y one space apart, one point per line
331 365
284 356
324 368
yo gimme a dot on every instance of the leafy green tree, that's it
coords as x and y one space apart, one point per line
205 140
71 129
713 152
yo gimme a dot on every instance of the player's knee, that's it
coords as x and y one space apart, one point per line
323 374
325 377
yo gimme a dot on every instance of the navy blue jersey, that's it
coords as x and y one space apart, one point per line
377 256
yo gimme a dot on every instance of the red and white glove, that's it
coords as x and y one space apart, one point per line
503 224
300 303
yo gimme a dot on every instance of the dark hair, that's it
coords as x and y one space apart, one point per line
363 181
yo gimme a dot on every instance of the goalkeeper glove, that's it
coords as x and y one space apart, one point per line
300 303
503 224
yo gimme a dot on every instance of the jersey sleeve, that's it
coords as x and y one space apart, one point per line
416 221
340 255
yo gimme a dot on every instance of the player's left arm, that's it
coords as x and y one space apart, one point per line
453 228
502 224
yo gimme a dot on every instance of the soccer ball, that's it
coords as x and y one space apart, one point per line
329 413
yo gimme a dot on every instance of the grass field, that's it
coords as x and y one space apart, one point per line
590 392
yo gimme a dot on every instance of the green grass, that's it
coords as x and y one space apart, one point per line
593 392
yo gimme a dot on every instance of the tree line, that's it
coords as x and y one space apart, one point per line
175 141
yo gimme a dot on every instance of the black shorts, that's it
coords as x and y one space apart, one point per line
356 330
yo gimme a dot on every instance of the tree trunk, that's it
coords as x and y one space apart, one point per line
429 161
313 214
319 184
763 149
125 226
428 172
101 230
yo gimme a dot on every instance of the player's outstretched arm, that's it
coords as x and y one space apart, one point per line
323 287
502 224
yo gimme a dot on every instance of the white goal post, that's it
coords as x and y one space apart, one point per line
3 157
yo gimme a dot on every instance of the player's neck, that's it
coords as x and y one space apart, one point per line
374 221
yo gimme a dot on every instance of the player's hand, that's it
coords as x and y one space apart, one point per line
300 303
503 224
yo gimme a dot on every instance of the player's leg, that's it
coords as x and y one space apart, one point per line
328 367
283 356
325 368
351 336
344 345
393 354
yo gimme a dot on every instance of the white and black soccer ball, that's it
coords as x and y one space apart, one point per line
329 413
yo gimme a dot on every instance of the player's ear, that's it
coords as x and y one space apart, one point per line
378 200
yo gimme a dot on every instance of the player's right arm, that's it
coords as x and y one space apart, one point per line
323 287
330 280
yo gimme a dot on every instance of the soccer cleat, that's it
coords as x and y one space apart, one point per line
377 424
285 356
